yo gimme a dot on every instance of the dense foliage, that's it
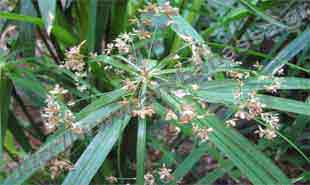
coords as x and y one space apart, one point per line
154 92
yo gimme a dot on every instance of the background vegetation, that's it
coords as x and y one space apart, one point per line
154 92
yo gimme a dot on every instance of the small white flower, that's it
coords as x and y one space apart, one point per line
82 88
171 115
195 87
165 174
267 133
149 179
111 179
58 90
202 133
180 93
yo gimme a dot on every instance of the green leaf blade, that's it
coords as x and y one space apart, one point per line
48 12
297 45
96 152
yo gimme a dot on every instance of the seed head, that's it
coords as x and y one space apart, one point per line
171 115
188 114
149 179
202 133
165 174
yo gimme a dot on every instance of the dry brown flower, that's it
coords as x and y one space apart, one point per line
251 108
170 115
276 84
238 75
146 111
122 46
195 87
74 59
142 34
149 179
109 49
68 118
129 85
231 122
51 114
165 174
111 179
168 10
202 133
188 114
268 133
57 166
57 90
151 8
147 22
133 21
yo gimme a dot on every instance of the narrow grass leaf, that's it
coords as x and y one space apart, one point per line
189 162
96 152
5 94
211 177
103 100
271 102
256 84
297 45
183 28
141 149
19 133
284 104
141 139
26 36
63 35
252 8
48 12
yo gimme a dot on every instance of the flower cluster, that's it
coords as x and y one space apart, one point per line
170 115
58 90
272 120
231 122
266 133
57 166
238 75
111 179
142 34
199 52
149 179
188 114
143 113
122 44
275 85
129 85
170 133
165 174
202 133
75 62
166 9
52 114
251 108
